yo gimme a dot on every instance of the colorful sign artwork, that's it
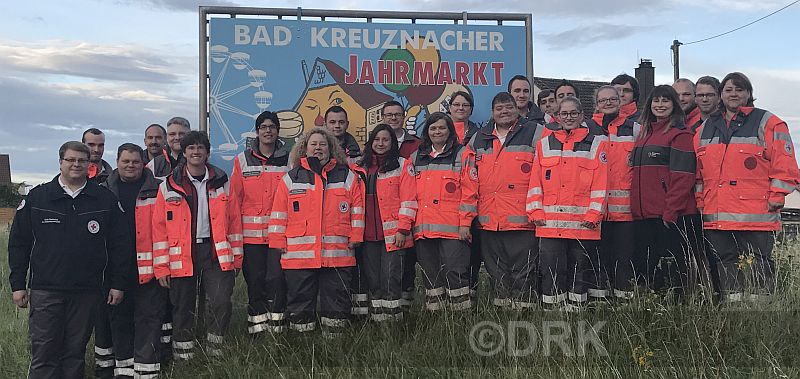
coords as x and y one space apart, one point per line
299 69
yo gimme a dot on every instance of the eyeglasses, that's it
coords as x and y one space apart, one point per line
260 127
573 114
79 161
460 105
393 115
608 100
704 95
627 90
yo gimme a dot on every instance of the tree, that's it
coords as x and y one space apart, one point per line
9 195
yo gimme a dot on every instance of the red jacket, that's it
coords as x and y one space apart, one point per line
693 119
663 174
409 146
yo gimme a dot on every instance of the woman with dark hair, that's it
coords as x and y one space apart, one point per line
460 108
317 221
448 203
666 222
746 166
390 207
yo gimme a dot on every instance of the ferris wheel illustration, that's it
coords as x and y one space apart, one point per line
231 84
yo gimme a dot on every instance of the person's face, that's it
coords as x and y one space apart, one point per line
685 95
734 96
607 101
74 166
570 117
521 91
548 104
438 132
564 91
661 107
706 98
130 166
267 132
382 143
460 109
393 115
337 123
174 134
196 155
97 145
625 93
318 147
154 140
505 114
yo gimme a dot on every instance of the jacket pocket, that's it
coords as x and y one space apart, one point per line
586 175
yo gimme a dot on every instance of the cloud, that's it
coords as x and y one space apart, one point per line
544 8
587 35
738 5
178 5
105 62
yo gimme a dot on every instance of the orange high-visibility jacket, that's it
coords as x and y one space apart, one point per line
568 184
315 217
503 172
397 201
174 224
693 119
741 166
254 180
446 192
622 134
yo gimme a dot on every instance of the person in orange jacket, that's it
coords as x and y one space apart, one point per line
390 207
504 152
317 221
197 241
257 173
447 200
706 96
628 88
566 201
612 266
746 166
685 89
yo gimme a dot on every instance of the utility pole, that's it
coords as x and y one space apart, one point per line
676 63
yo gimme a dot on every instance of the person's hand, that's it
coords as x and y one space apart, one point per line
114 297
464 234
353 245
400 239
20 298
539 222
164 282
588 225
774 207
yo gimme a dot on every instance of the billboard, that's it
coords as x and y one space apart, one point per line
300 68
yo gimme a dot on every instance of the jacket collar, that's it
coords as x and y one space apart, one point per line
280 150
216 176
55 192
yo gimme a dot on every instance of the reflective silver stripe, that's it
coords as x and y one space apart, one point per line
333 322
103 351
125 363
596 206
438 167
337 253
357 210
276 229
225 258
390 225
144 256
258 328
578 297
335 239
394 173
257 319
598 293
308 327
597 194
255 219
782 137
359 297
357 223
623 294
347 184
183 345
299 186
222 245
533 205
237 251
463 291
698 187
177 265
183 355
614 138
391 304
501 302
483 219
235 237
407 212
301 240
419 228
735 296
619 193
468 208
176 250
303 254
253 232
742 217
747 141
145 270
568 209
409 204
276 168
278 215
554 299
619 208
519 149
276 316
166 326
146 366
160 245
534 191
438 291
460 306
777 183
104 363
390 239
518 219
561 224
213 338
547 151
143 202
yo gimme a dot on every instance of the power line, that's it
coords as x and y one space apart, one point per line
743 26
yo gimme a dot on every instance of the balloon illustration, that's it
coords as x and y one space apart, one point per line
399 55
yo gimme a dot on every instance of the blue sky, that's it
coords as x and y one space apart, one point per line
120 65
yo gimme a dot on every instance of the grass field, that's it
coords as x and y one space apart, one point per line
649 337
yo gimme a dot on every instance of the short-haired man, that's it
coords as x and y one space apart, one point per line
628 88
394 115
162 165
336 121
197 240
155 136
685 89
257 172
565 89
66 234
98 169
706 95
547 103
144 308
504 151
520 88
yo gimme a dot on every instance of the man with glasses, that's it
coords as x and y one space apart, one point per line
628 88
706 96
685 89
67 234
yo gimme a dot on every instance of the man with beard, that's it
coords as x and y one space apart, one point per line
154 137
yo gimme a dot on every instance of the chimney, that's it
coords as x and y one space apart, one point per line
646 76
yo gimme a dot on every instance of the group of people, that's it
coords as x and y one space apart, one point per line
560 207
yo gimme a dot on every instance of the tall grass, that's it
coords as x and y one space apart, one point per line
650 337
